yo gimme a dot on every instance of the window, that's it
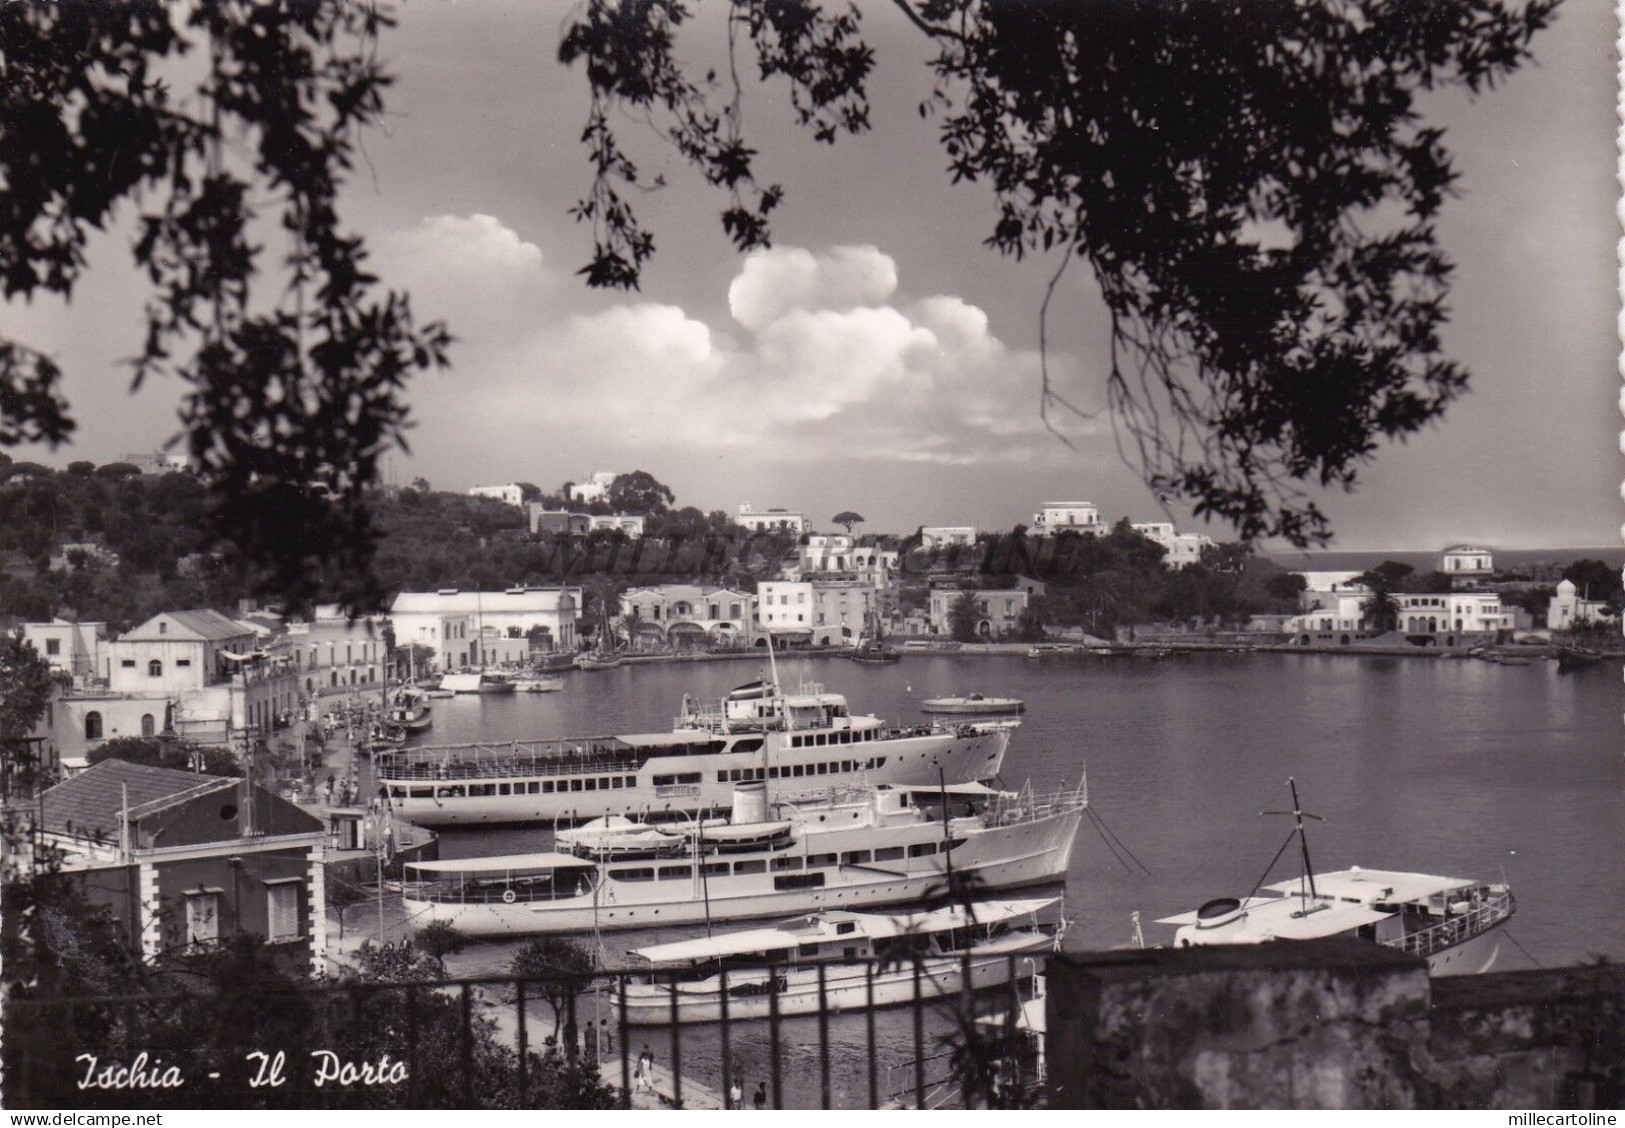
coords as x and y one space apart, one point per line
282 912
820 860
128 664
922 849
183 661
93 726
756 866
644 874
799 881
676 873
855 858
888 853
53 646
781 864
147 727
155 669
202 918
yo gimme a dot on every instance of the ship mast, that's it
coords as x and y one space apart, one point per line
1298 815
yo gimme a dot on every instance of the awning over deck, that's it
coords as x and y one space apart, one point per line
504 863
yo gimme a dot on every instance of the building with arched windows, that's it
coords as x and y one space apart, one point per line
689 616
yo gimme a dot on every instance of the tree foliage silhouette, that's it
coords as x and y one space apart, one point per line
293 388
1252 187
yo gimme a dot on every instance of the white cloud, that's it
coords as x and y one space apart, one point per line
472 244
777 281
821 362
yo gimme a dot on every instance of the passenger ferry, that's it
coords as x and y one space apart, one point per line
867 847
838 960
805 743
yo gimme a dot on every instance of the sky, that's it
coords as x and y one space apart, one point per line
879 357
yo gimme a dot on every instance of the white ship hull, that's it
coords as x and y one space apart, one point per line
1473 956
1004 857
847 987
584 794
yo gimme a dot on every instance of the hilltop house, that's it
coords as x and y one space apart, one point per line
511 494
1467 565
1180 550
1056 517
772 521
595 488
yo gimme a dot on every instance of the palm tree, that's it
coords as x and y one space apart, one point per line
1380 610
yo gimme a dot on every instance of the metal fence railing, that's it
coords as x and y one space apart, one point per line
558 1041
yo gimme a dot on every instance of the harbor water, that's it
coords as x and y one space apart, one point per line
1455 767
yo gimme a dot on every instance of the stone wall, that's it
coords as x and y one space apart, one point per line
1327 1024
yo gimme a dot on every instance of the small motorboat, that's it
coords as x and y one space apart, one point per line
481 683
599 661
973 703
538 685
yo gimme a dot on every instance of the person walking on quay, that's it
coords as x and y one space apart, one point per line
760 1099
646 1061
736 1095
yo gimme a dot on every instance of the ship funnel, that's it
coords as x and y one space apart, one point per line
750 803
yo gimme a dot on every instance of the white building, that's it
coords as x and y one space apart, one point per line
179 650
998 611
334 655
451 622
1453 613
690 615
595 488
1180 549
945 536
823 612
770 521
1058 517
1568 609
1340 616
508 495
76 649
1466 562
829 554
209 677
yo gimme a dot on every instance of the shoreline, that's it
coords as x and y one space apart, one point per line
1145 649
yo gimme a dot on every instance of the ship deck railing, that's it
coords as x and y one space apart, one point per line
515 768
1484 915
501 761
1027 806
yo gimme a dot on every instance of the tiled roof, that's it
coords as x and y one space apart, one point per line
90 802
203 624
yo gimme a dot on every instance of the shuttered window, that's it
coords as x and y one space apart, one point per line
282 911
202 918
